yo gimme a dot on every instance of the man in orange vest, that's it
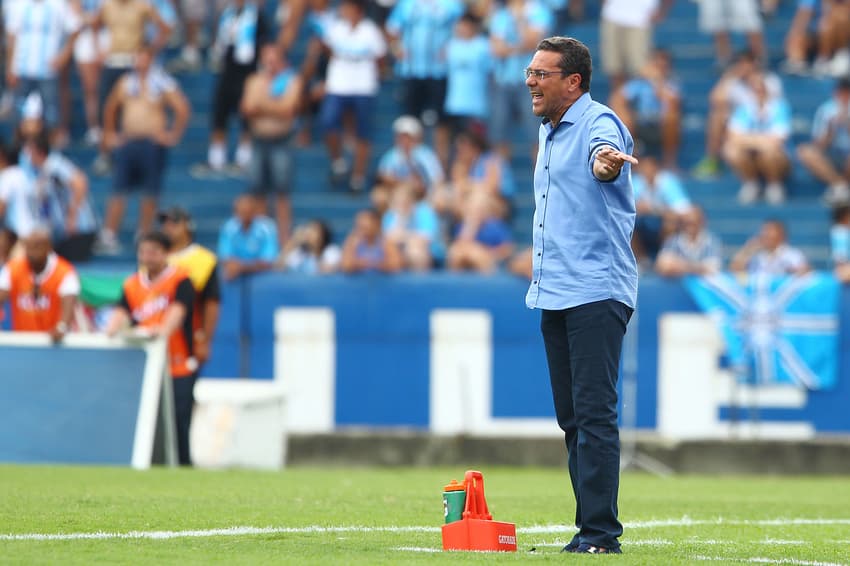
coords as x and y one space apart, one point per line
41 287
158 299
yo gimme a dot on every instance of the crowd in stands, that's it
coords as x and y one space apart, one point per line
442 195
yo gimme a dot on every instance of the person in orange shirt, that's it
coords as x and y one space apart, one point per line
41 287
158 300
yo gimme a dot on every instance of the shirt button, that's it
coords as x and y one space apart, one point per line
534 282
544 196
541 226
539 254
546 167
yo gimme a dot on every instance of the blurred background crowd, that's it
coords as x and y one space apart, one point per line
317 136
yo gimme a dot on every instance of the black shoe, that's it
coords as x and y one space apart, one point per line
572 546
585 548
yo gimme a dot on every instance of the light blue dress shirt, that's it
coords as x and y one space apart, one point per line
582 226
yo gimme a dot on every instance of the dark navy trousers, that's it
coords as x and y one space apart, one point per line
583 347
184 401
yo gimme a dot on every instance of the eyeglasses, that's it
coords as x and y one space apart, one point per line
540 75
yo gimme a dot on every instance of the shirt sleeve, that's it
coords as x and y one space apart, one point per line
212 290
604 131
820 123
185 294
781 122
397 17
674 194
5 279
839 240
70 286
427 224
740 120
61 168
225 243
379 44
270 249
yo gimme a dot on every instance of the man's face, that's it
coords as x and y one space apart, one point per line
144 58
174 229
772 236
270 58
244 209
152 257
549 95
366 225
692 223
37 248
842 96
405 142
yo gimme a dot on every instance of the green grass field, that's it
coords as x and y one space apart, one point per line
392 516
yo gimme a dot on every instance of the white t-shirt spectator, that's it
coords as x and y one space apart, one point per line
741 93
17 192
40 28
629 13
301 261
353 67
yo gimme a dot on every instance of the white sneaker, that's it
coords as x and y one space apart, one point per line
774 193
822 68
749 192
839 66
107 244
839 193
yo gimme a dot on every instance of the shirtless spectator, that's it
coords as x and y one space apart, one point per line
270 105
125 22
143 99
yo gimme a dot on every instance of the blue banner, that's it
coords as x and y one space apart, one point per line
777 329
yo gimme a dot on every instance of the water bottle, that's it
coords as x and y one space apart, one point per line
454 500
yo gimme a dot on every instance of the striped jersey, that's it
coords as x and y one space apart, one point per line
40 28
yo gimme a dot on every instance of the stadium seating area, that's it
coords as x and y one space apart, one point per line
314 197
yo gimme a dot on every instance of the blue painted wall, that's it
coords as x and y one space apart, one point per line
382 327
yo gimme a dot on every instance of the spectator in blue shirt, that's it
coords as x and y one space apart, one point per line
515 29
650 106
421 30
660 200
839 240
469 63
827 156
248 241
821 26
483 240
408 162
367 249
755 144
414 227
692 250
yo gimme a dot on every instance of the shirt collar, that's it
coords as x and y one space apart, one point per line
575 111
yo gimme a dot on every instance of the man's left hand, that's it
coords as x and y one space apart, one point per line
608 162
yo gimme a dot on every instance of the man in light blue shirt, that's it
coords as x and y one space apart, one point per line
584 275
248 242
515 29
827 156
422 29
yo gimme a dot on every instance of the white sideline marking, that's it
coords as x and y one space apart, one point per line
760 560
532 530
416 549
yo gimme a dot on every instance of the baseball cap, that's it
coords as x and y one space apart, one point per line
177 214
407 125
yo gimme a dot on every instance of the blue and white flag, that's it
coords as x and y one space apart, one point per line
780 329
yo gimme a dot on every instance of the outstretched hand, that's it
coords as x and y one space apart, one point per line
608 162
